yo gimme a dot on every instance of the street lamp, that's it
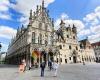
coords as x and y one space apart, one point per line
0 46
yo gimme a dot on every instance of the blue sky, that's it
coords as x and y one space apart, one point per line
85 14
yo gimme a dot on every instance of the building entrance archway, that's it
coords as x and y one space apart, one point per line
74 56
74 59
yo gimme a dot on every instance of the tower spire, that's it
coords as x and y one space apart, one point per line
42 3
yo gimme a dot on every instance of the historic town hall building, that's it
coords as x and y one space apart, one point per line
61 45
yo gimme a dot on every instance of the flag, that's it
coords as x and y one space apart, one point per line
35 54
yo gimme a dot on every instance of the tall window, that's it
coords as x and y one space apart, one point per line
67 36
81 46
33 37
60 59
40 38
70 47
76 48
67 29
69 58
60 46
40 26
73 37
46 27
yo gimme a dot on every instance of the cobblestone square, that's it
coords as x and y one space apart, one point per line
65 72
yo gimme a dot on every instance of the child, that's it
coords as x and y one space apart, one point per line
21 68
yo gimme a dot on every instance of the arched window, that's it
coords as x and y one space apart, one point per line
60 46
73 37
76 48
81 46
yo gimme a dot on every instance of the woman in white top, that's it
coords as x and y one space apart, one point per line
55 67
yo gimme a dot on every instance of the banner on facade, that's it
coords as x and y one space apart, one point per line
35 54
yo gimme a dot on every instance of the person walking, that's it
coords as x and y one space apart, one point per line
83 63
42 66
24 63
21 68
55 67
50 65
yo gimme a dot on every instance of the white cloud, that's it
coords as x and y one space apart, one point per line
4 9
94 38
93 18
4 5
84 32
90 17
6 2
24 20
64 16
95 22
25 6
47 2
4 47
97 11
5 16
95 29
7 32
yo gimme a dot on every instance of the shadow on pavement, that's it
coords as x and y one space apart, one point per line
44 76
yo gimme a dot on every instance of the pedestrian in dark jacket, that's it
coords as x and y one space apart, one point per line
42 68
50 65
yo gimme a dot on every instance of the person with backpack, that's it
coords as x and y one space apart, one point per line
42 66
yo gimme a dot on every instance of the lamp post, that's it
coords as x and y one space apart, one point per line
0 46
